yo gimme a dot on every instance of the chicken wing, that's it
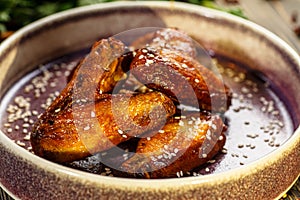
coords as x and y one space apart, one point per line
84 128
181 145
182 78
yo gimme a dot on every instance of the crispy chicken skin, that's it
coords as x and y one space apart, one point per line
181 145
182 78
84 128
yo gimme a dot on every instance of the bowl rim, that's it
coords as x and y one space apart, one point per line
149 184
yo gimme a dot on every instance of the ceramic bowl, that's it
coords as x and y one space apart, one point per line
26 176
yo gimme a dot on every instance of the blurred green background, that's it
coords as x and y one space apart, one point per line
15 14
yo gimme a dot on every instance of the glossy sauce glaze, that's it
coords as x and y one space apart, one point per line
258 120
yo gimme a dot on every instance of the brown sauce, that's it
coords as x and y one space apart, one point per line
258 119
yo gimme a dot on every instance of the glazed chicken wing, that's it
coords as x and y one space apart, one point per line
85 128
182 78
181 145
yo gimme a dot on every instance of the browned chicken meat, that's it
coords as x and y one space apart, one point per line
84 128
91 115
180 146
182 78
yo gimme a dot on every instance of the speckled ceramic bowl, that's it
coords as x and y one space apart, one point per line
26 176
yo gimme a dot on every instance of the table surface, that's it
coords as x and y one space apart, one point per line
281 17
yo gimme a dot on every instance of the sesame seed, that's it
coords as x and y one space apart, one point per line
181 123
236 109
224 151
184 65
211 161
7 125
22 144
255 90
234 155
151 55
252 135
235 95
53 84
26 125
214 126
67 73
176 150
27 137
34 112
249 95
149 61
244 90
271 144
237 79
181 173
263 109
104 154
